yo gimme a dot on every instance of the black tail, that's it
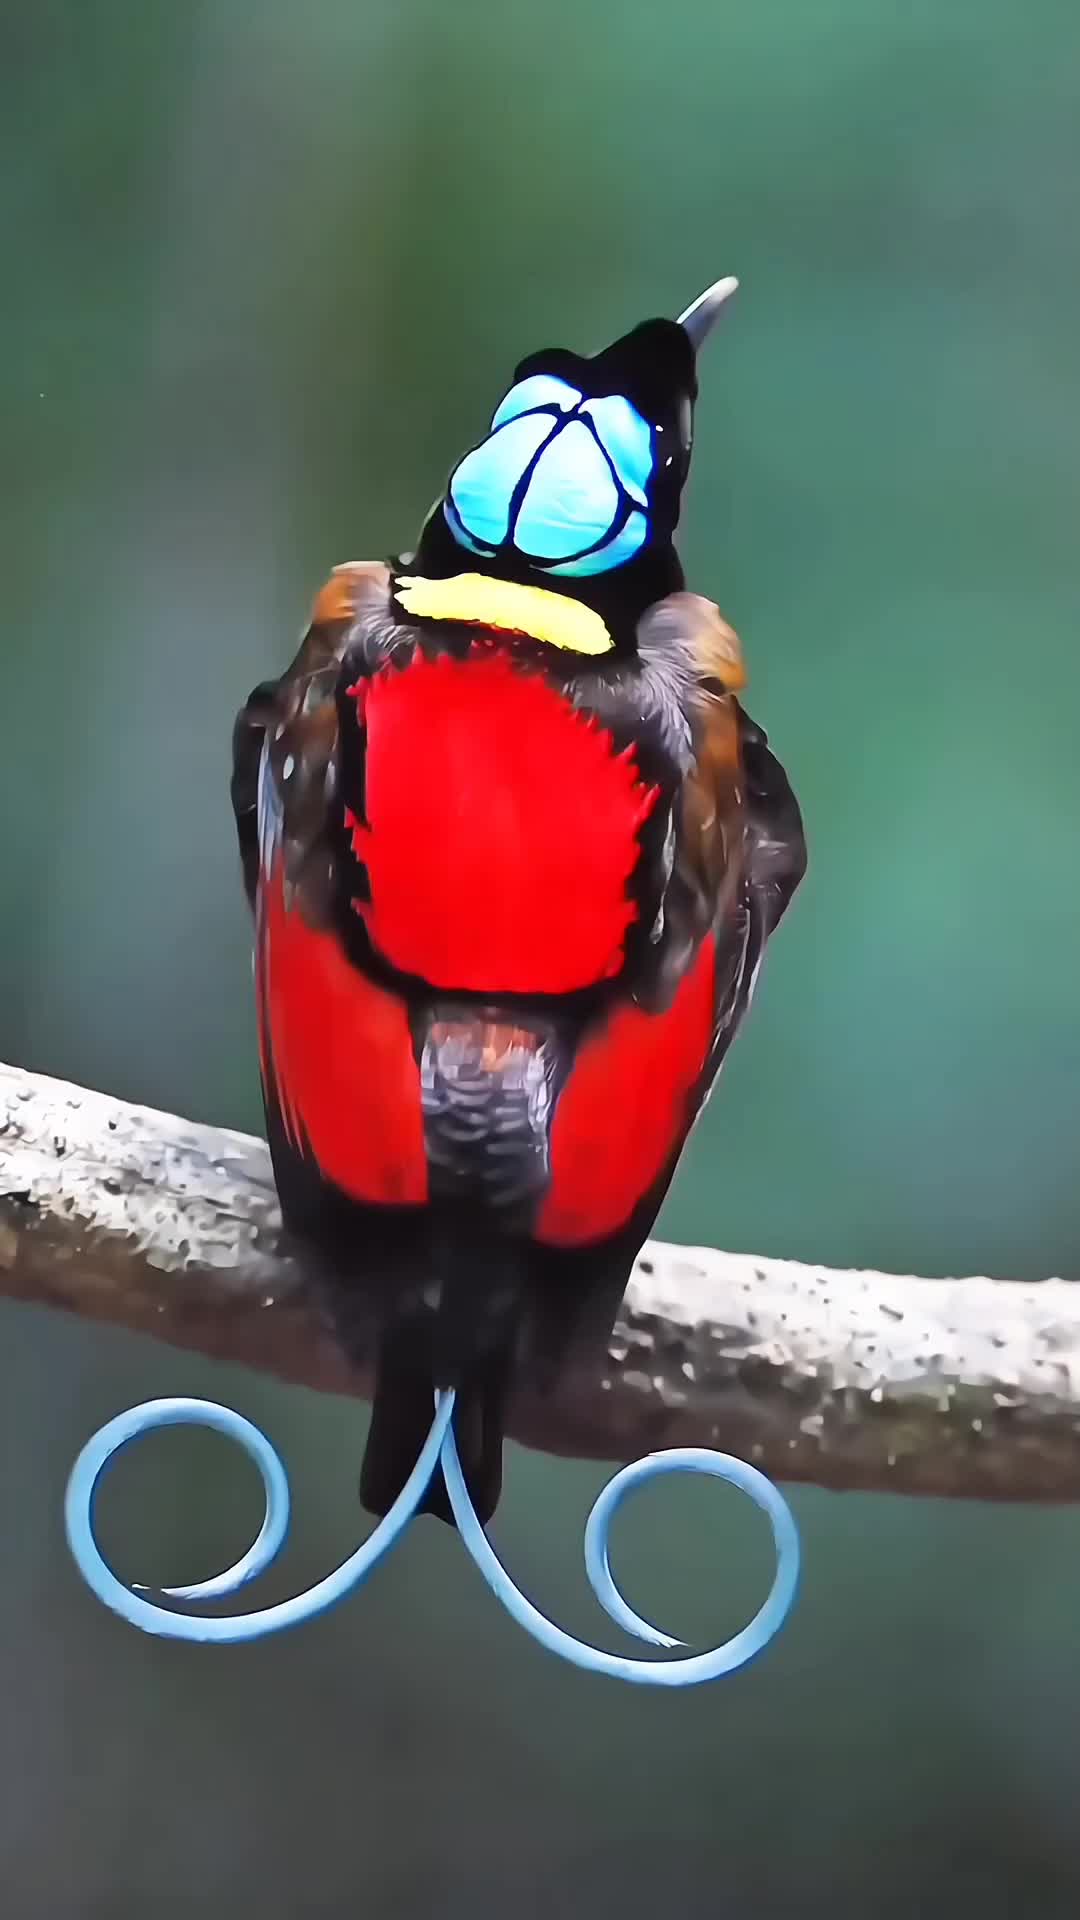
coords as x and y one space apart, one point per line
401 1417
464 1337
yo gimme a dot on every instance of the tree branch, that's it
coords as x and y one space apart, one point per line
965 1387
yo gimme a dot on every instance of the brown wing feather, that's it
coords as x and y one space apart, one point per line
298 716
741 824
740 851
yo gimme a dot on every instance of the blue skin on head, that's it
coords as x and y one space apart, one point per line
563 478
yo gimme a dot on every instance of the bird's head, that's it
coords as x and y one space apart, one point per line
576 485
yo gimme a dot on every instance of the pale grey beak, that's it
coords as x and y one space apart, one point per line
699 319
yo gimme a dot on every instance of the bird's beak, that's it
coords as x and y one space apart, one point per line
698 320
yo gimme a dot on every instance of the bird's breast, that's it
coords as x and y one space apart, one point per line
498 828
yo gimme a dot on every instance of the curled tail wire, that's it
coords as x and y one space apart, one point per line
439 1449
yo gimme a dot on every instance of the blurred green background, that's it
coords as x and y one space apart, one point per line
265 270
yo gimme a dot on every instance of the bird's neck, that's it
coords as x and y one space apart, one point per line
616 599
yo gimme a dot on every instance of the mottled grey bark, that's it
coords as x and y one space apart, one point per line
966 1387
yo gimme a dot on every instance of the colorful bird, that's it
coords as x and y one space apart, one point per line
514 851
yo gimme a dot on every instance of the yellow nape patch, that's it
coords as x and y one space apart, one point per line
479 601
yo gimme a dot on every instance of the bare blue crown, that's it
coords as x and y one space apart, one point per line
561 480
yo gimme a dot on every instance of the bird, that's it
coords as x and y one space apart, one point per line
514 849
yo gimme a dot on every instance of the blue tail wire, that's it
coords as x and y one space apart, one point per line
133 1606
102 1450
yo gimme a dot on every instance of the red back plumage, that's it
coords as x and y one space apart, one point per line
501 831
